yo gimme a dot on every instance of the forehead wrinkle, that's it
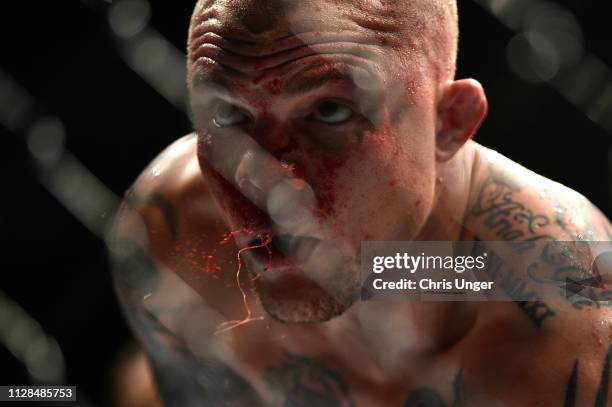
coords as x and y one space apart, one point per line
301 16
244 20
375 19
387 24
317 76
416 29
256 61
426 29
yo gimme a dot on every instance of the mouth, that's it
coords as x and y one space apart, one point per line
283 251
301 278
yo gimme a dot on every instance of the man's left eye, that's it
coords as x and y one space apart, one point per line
225 114
331 112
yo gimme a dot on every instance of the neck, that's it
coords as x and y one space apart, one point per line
446 323
453 190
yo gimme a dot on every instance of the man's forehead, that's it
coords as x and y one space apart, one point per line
259 16
252 36
279 7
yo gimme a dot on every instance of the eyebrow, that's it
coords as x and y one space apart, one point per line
213 80
297 84
300 84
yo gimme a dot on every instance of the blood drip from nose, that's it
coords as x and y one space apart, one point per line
295 173
327 185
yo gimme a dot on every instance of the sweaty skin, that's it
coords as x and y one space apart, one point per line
352 108
503 353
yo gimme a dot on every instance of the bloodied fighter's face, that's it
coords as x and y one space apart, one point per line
317 125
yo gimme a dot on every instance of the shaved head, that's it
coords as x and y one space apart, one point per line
436 22
346 97
426 27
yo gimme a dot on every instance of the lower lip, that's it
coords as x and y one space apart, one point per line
289 283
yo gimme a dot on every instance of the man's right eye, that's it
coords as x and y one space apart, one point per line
225 115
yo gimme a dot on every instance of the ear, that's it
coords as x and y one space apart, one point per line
461 110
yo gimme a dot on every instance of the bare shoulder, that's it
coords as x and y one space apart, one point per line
559 334
510 202
169 221
169 195
174 172
559 243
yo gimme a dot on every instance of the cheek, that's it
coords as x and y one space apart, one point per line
238 211
385 191
328 186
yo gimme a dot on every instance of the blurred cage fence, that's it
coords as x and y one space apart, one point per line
546 47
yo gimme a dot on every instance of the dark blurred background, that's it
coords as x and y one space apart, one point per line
91 91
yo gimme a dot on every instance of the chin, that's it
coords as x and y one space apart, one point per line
291 296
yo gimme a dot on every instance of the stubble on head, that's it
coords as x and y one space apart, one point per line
246 44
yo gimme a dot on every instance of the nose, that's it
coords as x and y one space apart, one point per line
265 180
254 164
273 184
276 136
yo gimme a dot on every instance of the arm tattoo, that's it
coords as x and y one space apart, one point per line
132 267
304 382
427 397
572 383
504 215
516 287
157 201
182 379
601 399
186 381
509 219
567 261
604 383
537 311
